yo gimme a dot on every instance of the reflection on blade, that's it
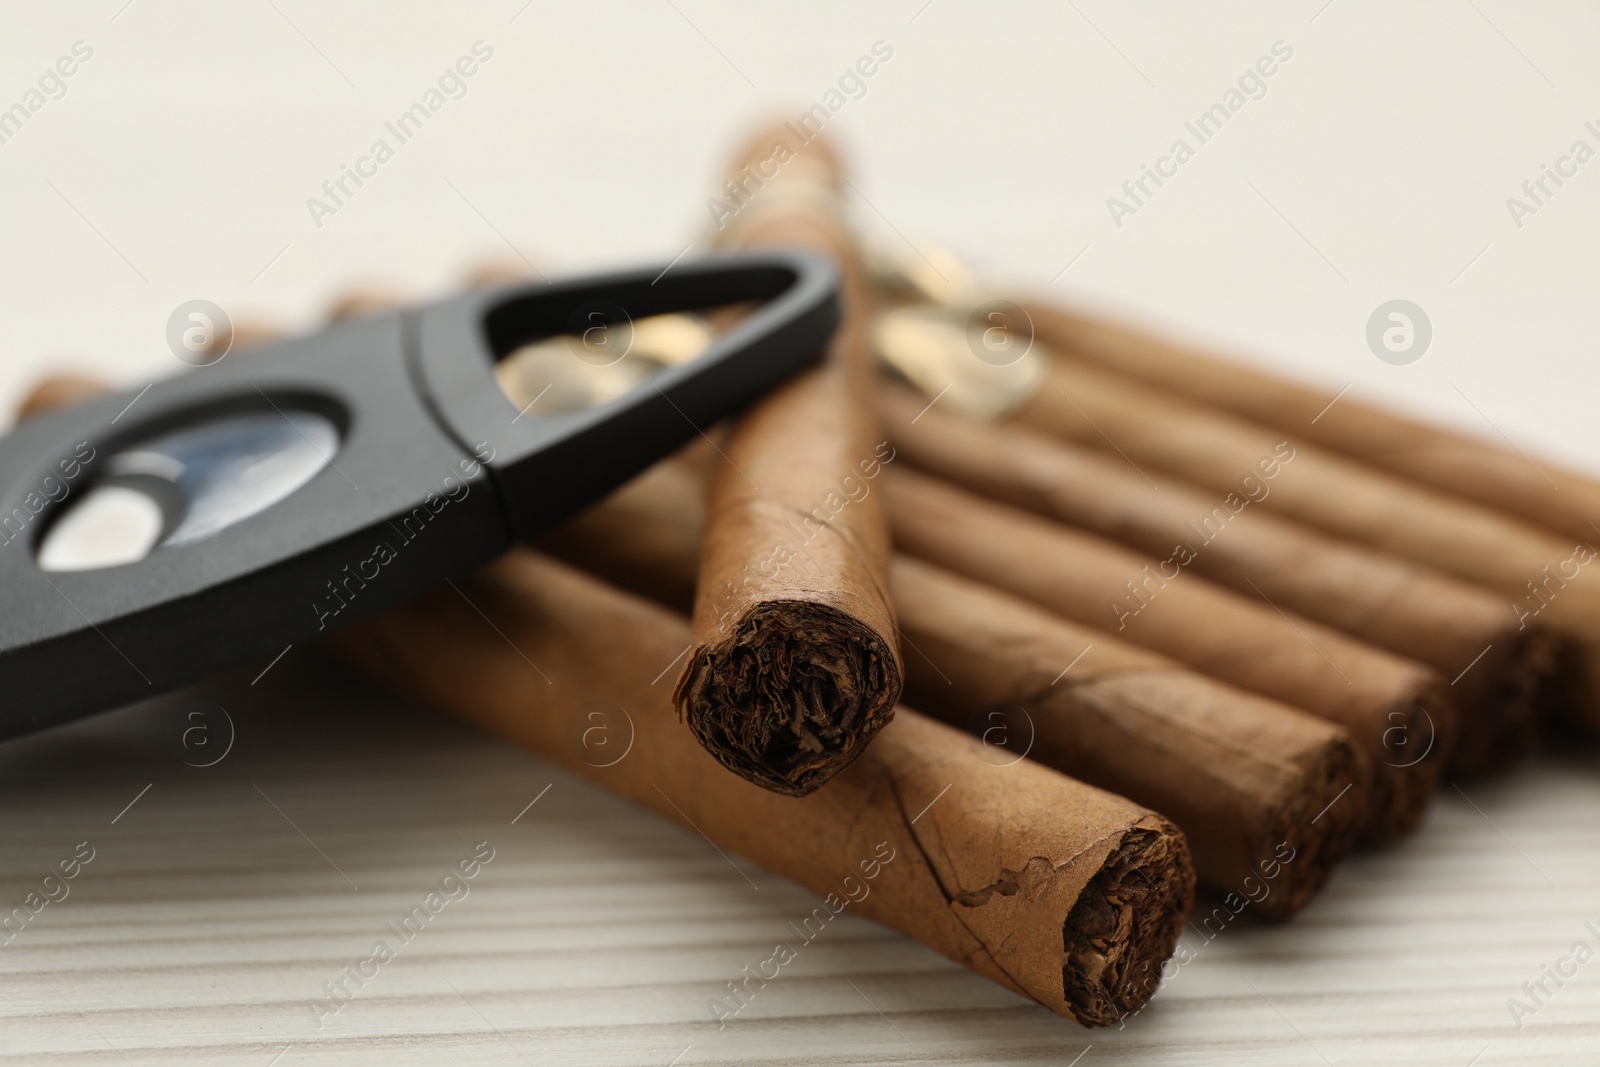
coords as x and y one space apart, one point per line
232 468
186 485
573 373
108 526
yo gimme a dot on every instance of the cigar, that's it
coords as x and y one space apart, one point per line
1247 779
1397 709
794 665
59 391
1497 477
1459 629
362 300
1052 888
252 333
498 270
64 389
1546 580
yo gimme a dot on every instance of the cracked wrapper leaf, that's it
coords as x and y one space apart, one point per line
1059 891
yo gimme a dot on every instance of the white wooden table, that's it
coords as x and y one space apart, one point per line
220 900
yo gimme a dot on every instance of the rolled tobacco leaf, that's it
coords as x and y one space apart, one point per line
794 664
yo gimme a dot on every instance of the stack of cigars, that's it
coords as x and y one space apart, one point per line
1164 621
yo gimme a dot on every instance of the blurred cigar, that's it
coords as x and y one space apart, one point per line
1497 477
795 666
1459 629
59 391
497 271
232 337
1398 710
64 389
1248 780
359 301
1052 888
1547 581
251 333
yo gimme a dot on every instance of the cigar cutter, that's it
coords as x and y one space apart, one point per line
218 517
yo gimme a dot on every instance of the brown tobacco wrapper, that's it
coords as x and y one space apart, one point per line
62 390
1398 710
1459 629
1548 581
795 664
1248 780
371 299
59 391
1052 888
498 270
1498 477
252 333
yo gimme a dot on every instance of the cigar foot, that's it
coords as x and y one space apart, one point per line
1500 708
1125 924
1317 831
1412 748
792 696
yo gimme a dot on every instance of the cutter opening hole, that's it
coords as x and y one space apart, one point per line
185 485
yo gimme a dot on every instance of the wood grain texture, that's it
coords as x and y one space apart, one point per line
207 921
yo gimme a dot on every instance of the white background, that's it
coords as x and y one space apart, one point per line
1384 151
